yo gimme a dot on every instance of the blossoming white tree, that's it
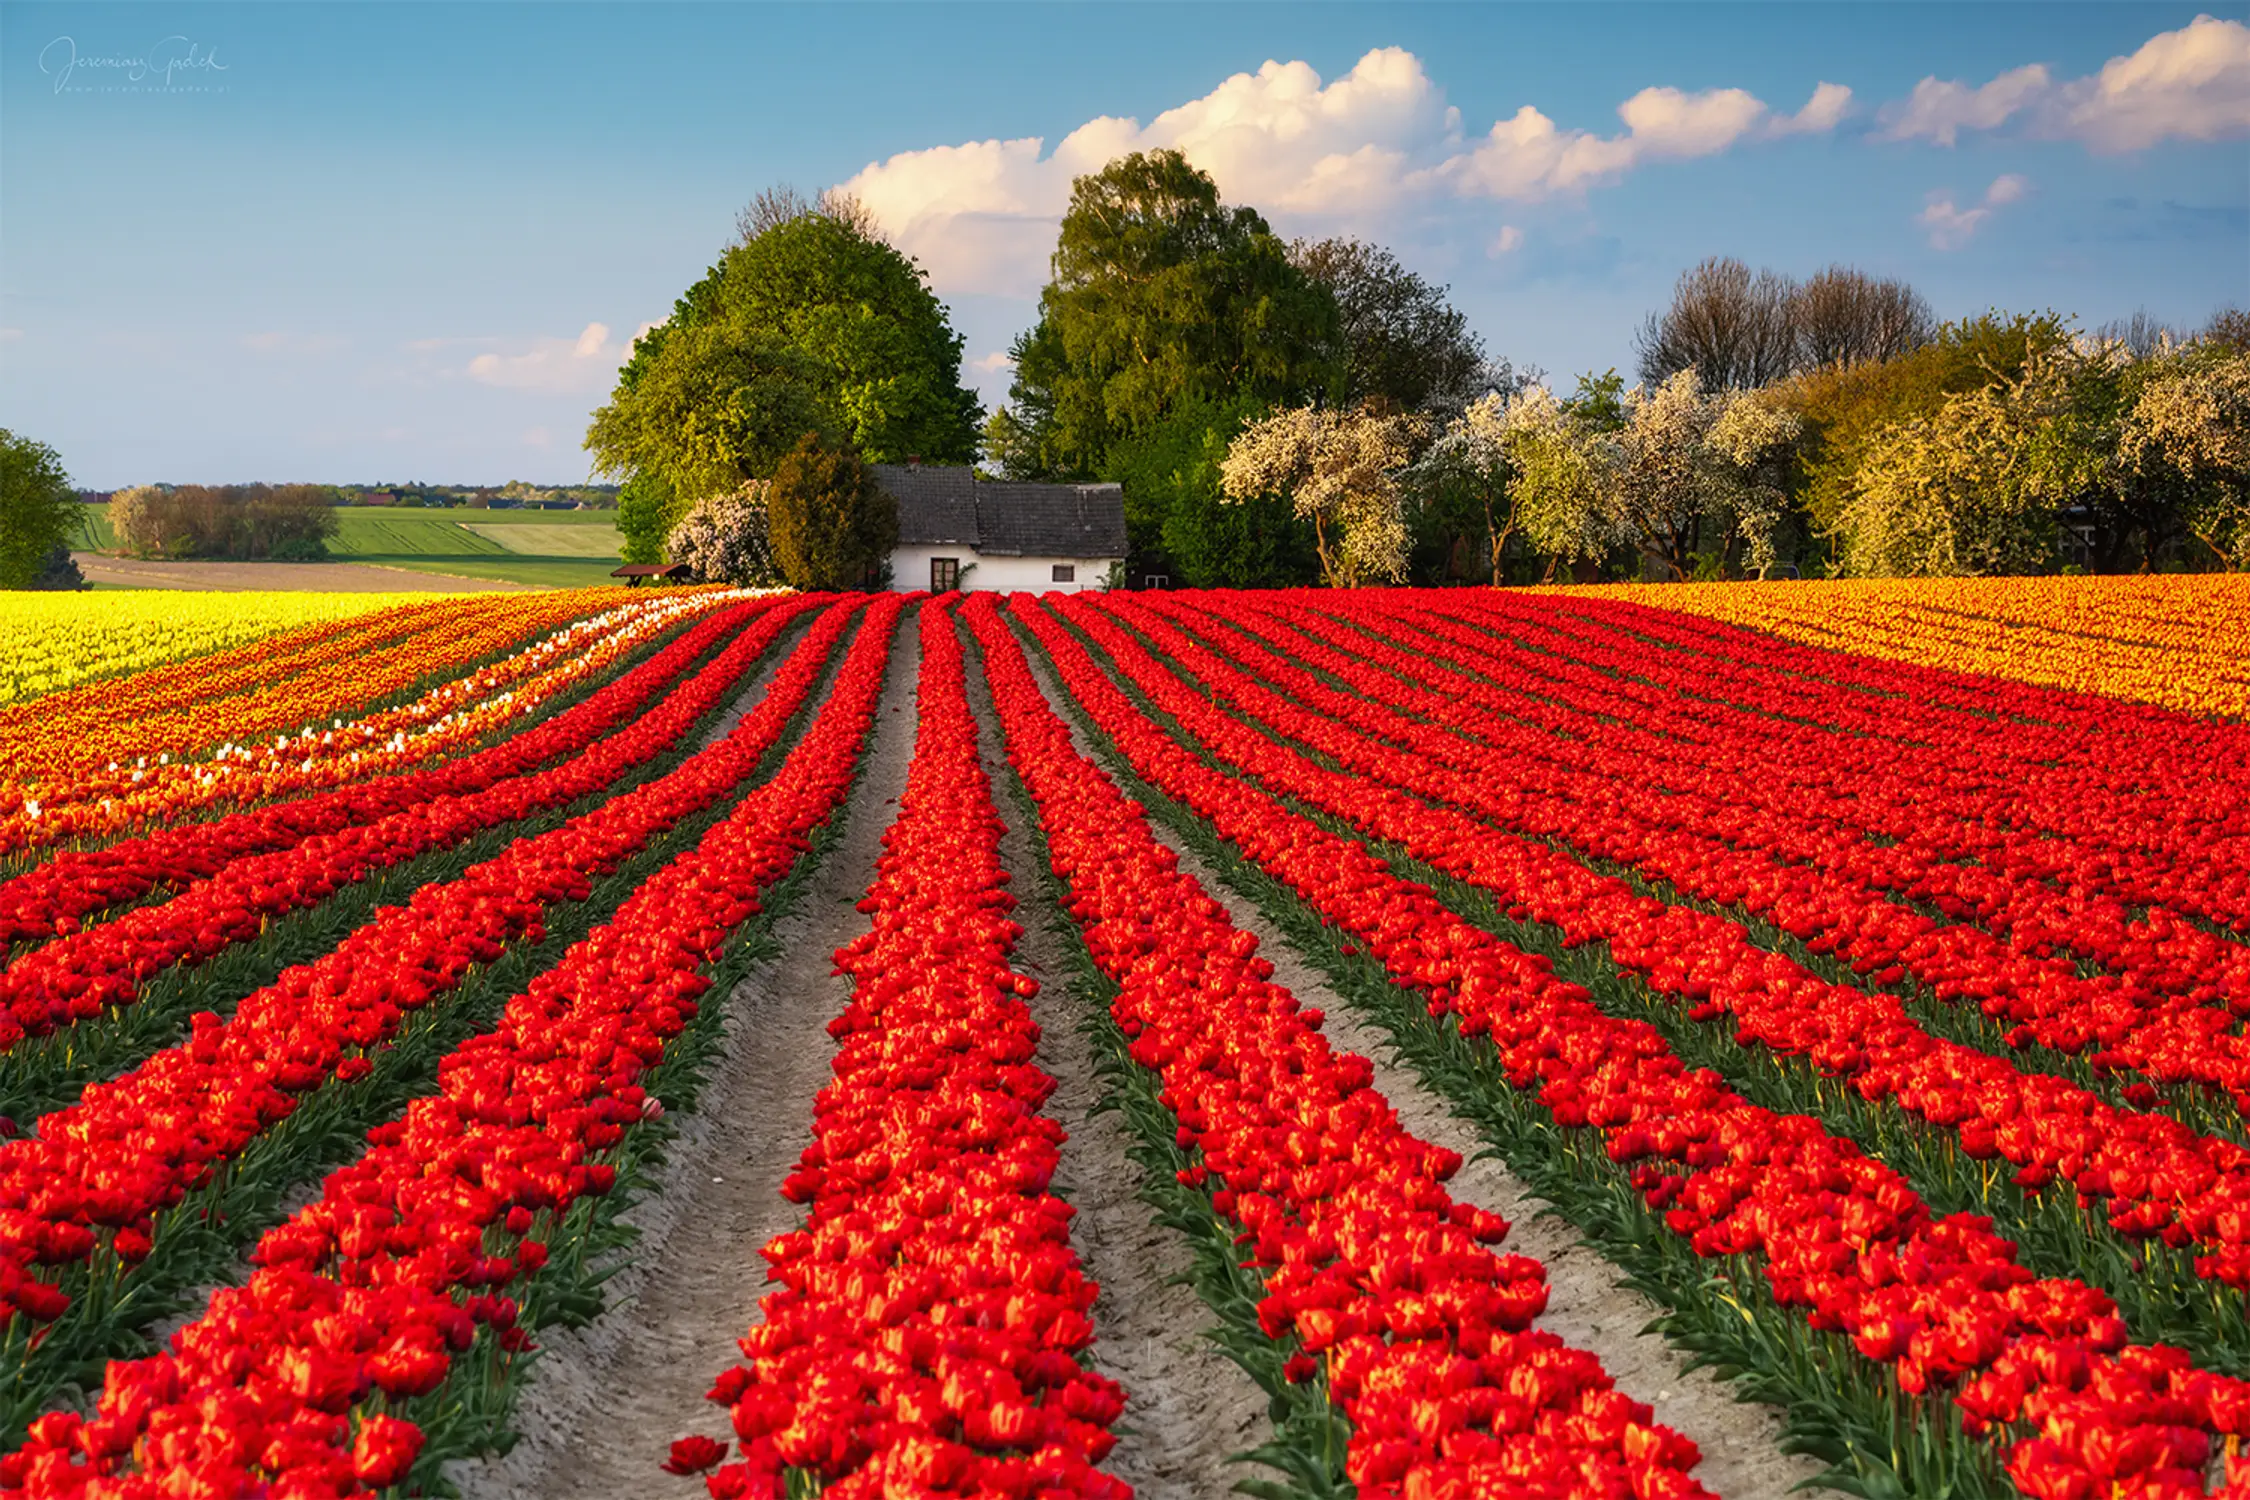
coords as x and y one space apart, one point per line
1340 471
723 538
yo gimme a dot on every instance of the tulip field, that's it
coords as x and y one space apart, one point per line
1624 1042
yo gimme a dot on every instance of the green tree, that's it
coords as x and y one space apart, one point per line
1404 345
2186 437
648 507
810 325
39 510
1170 475
830 524
1843 409
1975 487
1160 295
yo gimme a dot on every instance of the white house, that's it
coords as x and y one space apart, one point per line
956 531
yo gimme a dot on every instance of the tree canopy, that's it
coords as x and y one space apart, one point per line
809 325
1160 294
38 510
1405 346
830 525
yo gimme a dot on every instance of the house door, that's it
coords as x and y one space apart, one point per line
945 574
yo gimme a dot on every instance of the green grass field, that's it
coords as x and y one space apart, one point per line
549 548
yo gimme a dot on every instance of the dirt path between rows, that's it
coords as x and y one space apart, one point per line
604 1402
1187 1406
1588 1307
319 578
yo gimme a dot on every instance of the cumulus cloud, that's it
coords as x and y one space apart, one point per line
1940 109
998 359
2193 84
1952 226
981 215
1509 238
585 363
1829 103
2190 84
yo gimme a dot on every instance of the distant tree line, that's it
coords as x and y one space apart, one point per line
268 522
1290 412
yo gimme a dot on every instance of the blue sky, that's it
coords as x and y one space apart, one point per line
349 242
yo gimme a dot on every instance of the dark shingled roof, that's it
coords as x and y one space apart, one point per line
946 506
1051 520
936 504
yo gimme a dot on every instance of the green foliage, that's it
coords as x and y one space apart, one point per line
1405 347
1161 295
38 510
276 522
1843 410
1976 487
1598 404
1174 511
831 525
1250 544
648 507
809 326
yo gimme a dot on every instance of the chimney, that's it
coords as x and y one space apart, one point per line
914 460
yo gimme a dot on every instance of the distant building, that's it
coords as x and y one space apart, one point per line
377 497
957 531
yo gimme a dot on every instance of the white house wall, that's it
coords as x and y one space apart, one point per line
910 570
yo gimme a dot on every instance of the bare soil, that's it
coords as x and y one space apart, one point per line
1188 1408
605 1402
1588 1307
317 578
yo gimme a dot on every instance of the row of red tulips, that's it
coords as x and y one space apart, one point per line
190 781
302 1382
1752 785
2016 806
926 1335
1377 1272
2157 1175
2044 1363
83 1188
604 739
2157 1015
55 897
1810 871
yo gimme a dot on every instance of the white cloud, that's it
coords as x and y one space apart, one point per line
10 335
1941 110
1509 238
1829 103
585 363
2193 83
2190 84
1952 226
1353 152
998 359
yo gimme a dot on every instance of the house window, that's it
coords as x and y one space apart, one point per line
1155 581
1066 573
945 574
